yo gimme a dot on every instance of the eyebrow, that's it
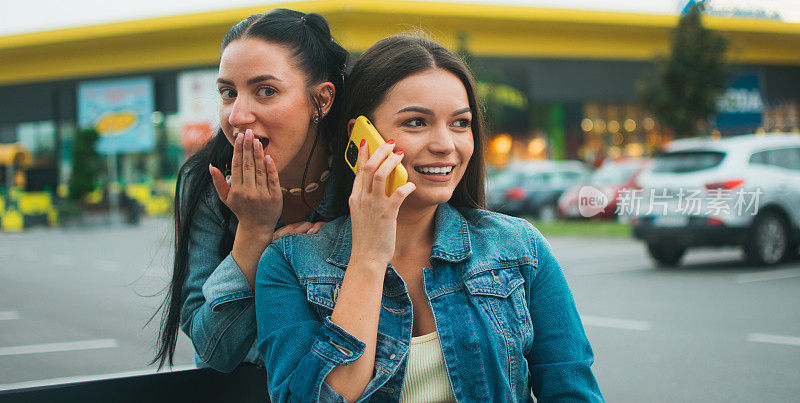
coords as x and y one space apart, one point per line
427 111
256 79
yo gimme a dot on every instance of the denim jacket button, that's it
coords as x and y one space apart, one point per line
391 357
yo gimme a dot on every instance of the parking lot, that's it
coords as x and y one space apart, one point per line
74 303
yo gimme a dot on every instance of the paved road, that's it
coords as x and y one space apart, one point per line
91 289
713 330
73 303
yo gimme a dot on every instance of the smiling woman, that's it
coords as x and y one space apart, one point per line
279 76
420 295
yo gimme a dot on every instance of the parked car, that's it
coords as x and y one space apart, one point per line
743 190
612 178
533 187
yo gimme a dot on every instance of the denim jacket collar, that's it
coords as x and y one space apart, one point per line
451 241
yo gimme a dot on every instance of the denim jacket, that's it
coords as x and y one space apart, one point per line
218 314
506 319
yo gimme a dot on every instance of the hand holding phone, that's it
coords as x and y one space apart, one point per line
364 130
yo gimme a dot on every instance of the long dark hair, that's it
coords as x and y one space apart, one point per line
321 59
375 72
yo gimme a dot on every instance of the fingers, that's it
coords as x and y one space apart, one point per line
316 227
273 182
281 232
382 174
248 160
219 182
363 156
303 227
401 193
372 165
236 162
260 165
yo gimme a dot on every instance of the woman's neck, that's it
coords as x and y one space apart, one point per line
294 209
415 229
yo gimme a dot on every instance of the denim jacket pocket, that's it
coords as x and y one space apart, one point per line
322 293
499 293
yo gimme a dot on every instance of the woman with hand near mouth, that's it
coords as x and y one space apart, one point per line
421 295
266 173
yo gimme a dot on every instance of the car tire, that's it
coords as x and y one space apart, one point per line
768 241
666 255
547 213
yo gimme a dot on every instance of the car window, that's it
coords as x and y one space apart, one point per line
687 161
506 179
612 174
788 158
759 158
570 177
537 179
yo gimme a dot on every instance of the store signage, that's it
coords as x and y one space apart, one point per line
120 111
198 105
742 103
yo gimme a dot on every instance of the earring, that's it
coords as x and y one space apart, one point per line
330 91
316 118
323 104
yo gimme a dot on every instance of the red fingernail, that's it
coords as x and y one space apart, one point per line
415 185
399 152
390 141
363 141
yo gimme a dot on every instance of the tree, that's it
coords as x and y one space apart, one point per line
684 90
85 164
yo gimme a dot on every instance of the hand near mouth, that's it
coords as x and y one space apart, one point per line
254 196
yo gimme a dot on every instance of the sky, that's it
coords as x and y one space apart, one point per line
21 16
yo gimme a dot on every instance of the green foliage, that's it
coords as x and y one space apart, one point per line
684 90
85 164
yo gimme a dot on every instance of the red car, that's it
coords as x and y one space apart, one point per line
611 178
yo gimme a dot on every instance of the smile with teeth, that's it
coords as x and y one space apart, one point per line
434 170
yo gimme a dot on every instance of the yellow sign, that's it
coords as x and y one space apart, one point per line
116 122
15 154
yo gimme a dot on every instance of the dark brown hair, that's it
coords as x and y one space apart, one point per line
376 71
321 59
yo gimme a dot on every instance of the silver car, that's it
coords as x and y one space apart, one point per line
742 190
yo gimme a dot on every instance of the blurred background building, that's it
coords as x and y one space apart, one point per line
558 83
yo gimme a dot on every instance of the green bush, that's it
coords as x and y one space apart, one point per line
85 164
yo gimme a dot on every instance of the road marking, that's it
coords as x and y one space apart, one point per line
89 378
58 347
63 260
614 323
9 315
106 265
773 339
584 273
767 275
29 257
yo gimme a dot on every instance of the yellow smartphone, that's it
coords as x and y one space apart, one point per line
363 129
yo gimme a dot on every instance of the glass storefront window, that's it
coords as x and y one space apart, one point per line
39 138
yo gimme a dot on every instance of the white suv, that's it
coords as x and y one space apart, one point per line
742 190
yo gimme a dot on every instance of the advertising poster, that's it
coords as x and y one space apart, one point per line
198 103
120 111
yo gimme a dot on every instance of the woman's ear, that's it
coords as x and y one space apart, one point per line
323 95
350 124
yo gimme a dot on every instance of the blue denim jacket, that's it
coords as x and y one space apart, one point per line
507 322
218 314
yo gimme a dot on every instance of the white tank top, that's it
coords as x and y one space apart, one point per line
426 377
